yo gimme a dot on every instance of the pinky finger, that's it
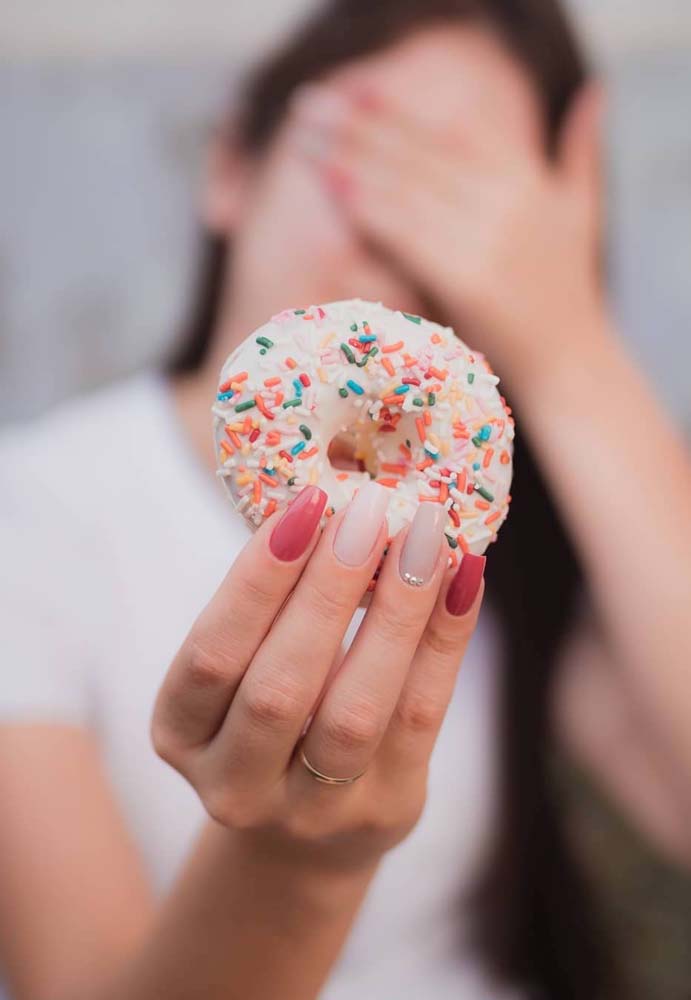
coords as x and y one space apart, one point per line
424 699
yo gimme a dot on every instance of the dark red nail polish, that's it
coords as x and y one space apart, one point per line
465 585
294 531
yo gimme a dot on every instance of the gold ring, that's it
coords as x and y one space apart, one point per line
324 778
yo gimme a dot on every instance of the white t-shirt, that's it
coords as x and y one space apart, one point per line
113 537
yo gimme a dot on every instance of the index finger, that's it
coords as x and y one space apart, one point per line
200 684
386 129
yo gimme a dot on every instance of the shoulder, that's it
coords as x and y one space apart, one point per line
69 463
69 482
64 477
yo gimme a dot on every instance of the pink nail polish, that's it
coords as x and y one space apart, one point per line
465 585
294 531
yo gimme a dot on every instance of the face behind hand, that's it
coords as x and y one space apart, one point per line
292 245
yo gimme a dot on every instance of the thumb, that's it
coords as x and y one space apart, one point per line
580 142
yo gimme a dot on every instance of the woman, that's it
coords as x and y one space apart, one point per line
444 160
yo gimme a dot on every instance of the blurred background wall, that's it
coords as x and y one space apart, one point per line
103 112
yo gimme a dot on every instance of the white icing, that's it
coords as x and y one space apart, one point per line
312 340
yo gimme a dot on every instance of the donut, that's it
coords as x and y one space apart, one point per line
421 409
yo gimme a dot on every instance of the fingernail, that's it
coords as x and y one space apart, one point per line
421 547
359 529
294 531
465 585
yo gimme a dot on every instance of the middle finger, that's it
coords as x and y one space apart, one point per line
290 668
355 711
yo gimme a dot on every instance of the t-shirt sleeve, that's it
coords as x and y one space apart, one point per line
46 640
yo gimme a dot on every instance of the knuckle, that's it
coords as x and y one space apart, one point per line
352 729
218 810
256 593
222 812
311 825
272 704
314 823
384 826
396 627
400 812
444 642
207 668
222 809
164 742
324 604
408 817
372 825
229 810
419 713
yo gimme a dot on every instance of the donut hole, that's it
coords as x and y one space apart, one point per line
342 453
364 449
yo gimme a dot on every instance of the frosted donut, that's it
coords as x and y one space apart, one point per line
423 411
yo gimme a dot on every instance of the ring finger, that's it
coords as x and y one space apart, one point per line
355 711
292 665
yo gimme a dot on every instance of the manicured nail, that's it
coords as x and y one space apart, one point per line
465 585
294 531
359 529
421 547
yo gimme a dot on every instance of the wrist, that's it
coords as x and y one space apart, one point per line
564 353
303 874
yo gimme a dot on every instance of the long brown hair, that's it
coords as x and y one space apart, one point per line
534 919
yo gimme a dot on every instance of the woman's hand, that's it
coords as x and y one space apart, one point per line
505 240
259 662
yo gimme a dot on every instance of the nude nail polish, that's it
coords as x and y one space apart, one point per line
360 527
294 531
421 548
465 584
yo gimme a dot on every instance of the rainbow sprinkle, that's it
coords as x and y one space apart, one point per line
424 411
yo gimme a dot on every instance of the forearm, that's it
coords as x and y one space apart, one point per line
620 474
241 923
